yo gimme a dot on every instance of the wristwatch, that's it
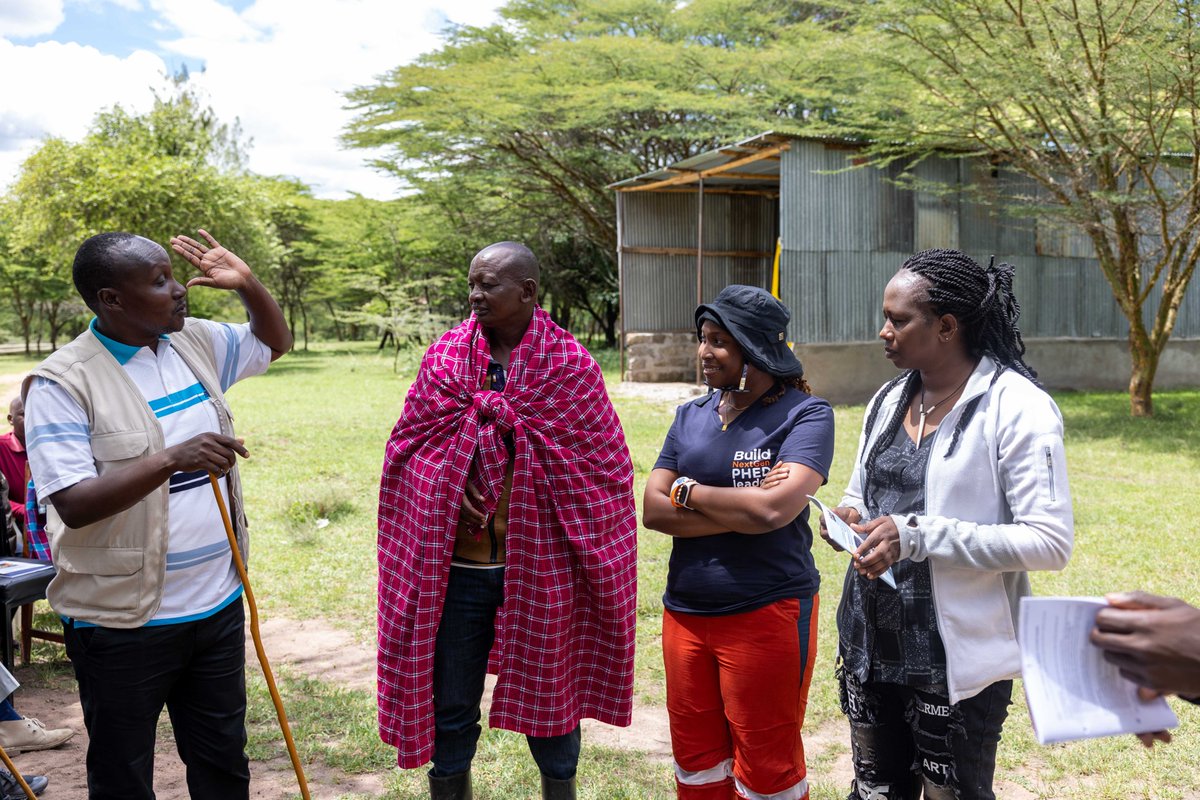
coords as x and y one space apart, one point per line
681 489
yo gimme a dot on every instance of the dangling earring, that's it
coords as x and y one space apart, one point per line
742 382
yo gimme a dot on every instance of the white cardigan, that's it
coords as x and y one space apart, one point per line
997 507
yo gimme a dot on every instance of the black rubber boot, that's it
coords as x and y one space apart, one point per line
451 787
554 789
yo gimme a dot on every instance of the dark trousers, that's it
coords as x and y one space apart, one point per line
464 639
196 669
907 740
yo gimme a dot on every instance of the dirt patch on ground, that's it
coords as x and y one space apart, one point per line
669 394
313 648
9 386
316 649
309 647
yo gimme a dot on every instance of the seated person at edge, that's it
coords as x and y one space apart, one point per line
9 788
506 526
20 734
124 426
960 487
14 459
731 486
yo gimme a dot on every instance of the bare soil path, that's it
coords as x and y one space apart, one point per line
314 648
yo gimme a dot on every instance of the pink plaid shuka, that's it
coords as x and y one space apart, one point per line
565 634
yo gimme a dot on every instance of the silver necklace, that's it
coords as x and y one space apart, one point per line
727 402
925 412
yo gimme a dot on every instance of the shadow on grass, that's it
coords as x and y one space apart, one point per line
338 727
1104 416
306 361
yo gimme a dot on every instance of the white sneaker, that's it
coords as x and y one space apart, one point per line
20 735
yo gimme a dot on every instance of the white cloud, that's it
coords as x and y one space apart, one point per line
30 17
280 67
60 90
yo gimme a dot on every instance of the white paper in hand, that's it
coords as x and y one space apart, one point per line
845 536
1072 692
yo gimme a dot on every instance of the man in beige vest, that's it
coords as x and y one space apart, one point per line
123 427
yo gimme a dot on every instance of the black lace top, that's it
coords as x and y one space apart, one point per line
891 635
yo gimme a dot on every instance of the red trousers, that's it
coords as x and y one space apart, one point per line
737 689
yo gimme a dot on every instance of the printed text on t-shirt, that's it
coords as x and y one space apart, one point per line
750 466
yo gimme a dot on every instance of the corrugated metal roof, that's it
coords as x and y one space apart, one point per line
746 164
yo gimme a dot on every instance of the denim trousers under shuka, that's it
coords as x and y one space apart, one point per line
464 639
908 739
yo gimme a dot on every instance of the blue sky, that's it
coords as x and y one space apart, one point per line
117 31
280 67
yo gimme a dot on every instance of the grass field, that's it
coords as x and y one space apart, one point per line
316 426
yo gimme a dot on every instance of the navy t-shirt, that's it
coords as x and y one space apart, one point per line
730 573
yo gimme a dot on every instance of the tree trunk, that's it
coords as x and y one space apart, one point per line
337 326
1141 377
612 315
52 321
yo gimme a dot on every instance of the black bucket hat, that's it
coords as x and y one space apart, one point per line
758 322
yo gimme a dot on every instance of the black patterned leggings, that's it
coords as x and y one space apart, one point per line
909 739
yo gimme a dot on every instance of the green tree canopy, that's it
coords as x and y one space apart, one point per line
534 116
166 172
1096 104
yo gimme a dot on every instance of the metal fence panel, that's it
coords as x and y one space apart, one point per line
838 296
827 207
984 229
661 287
804 288
660 293
659 220
937 213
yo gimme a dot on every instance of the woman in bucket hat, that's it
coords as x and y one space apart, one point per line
739 625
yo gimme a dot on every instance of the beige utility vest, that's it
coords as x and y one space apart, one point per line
111 572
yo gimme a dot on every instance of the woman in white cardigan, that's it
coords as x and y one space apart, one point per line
960 488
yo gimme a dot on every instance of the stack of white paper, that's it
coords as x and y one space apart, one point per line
1072 692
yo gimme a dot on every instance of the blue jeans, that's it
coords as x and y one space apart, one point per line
464 639
907 740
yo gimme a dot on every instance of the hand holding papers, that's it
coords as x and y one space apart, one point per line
845 536
1072 692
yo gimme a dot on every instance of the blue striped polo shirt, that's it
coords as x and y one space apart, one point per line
200 579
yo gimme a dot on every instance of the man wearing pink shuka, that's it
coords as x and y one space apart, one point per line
507 541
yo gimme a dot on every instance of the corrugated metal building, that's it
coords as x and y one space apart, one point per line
686 231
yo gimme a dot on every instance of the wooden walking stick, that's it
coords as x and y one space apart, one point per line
258 646
13 769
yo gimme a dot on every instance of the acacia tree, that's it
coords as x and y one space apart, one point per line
1091 101
153 174
540 112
